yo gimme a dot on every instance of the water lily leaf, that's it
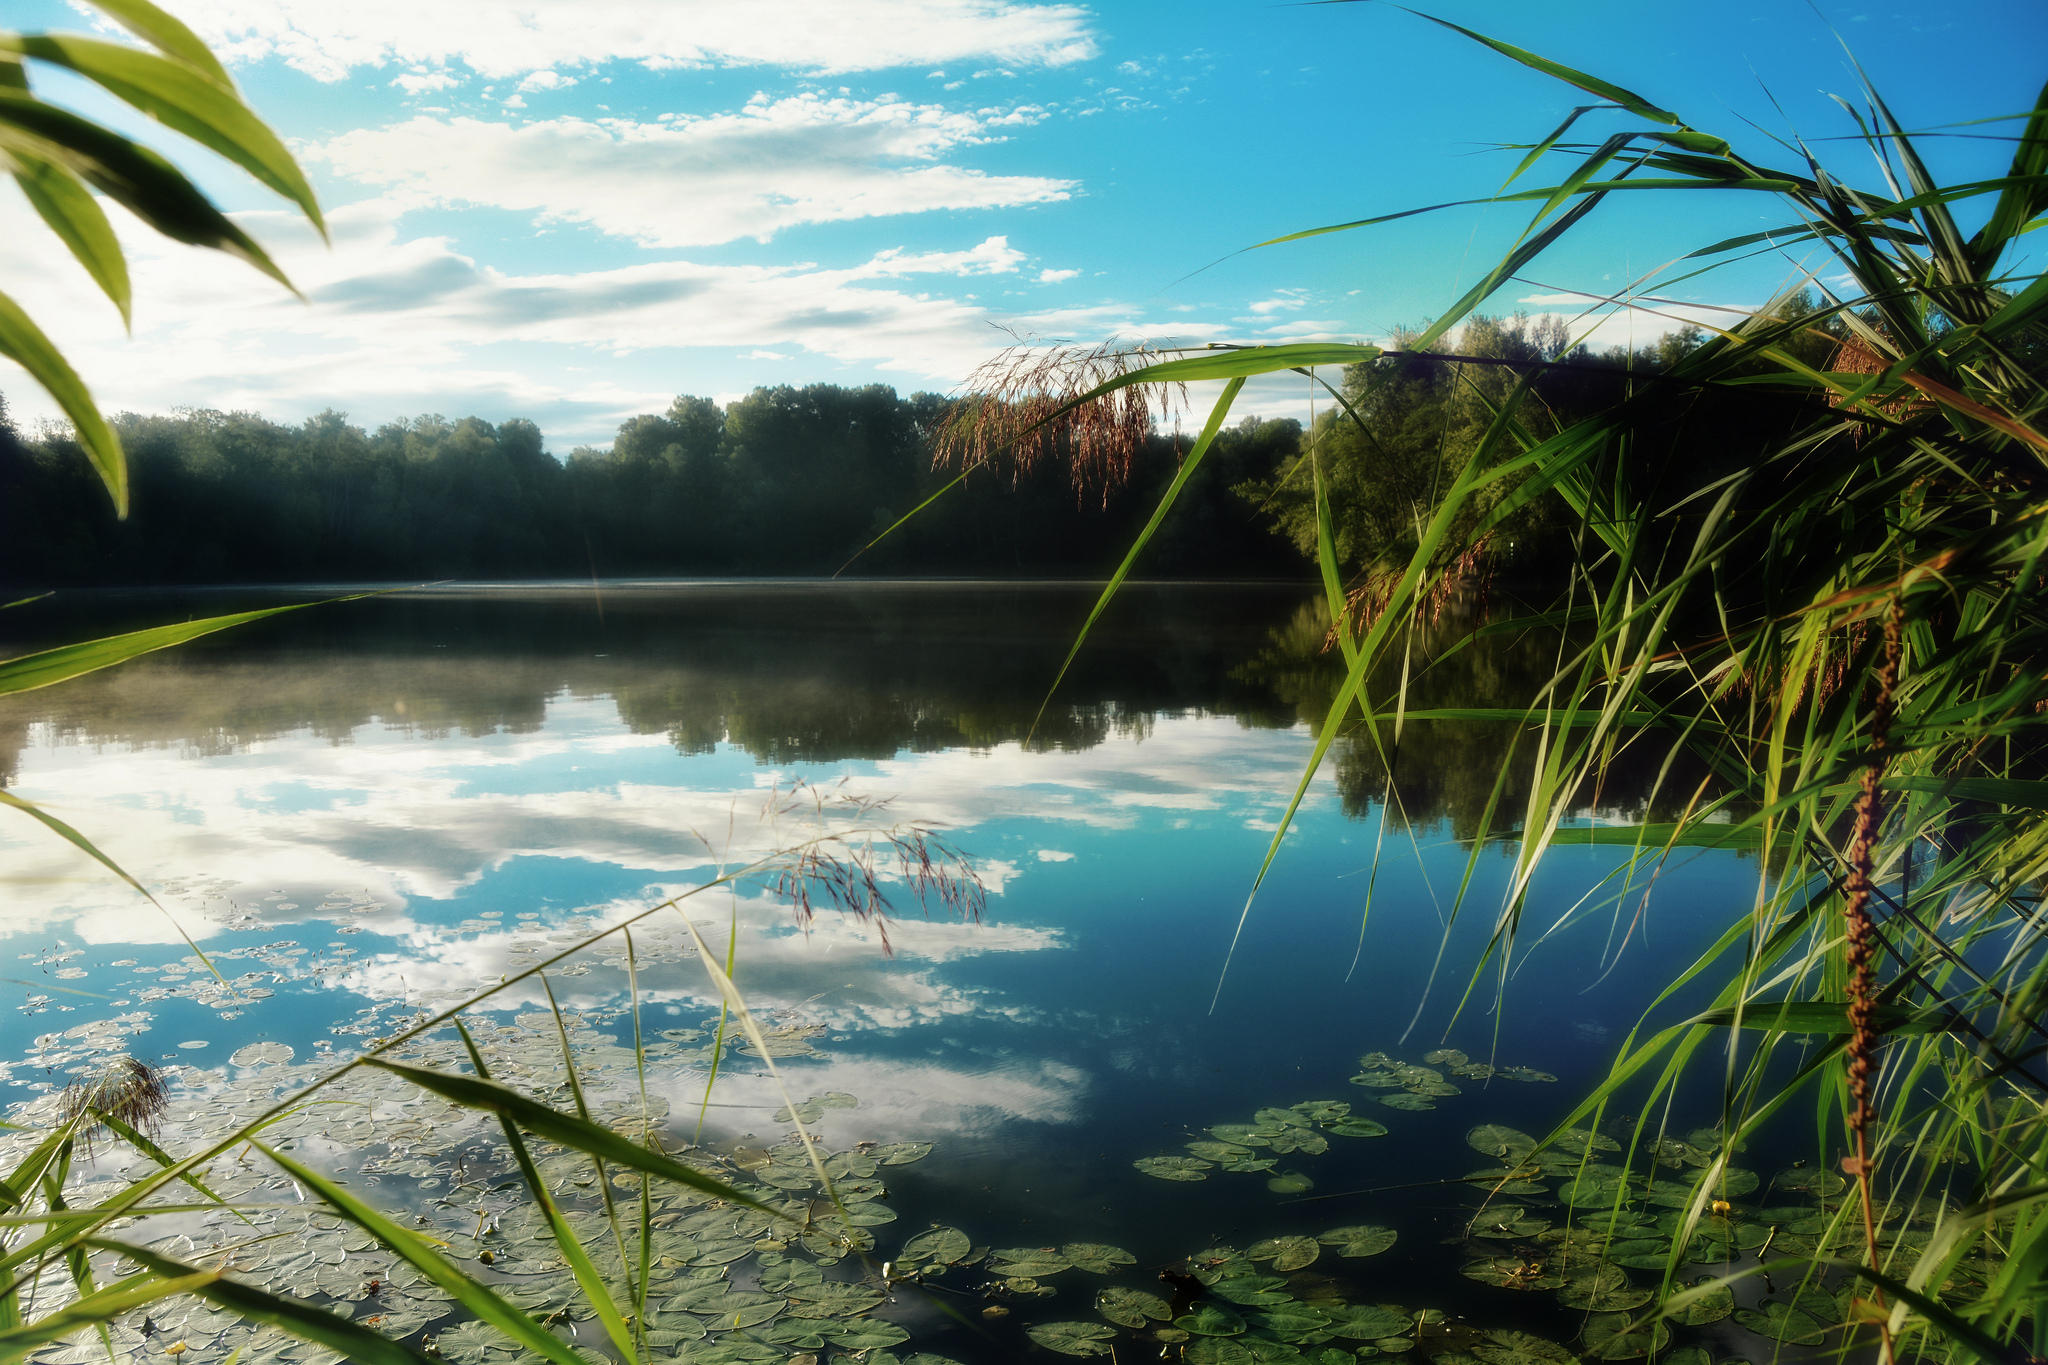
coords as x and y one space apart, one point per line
1290 1322
1218 1264
1097 1258
1608 1337
809 1112
1712 1306
1445 1056
1379 1080
1286 1253
1238 1134
1520 1348
1211 1320
727 1350
1174 1167
860 1213
1500 1140
1814 1180
945 1245
737 1310
789 1277
256 1054
1394 1345
1363 1239
850 1165
1783 1322
1271 1119
1512 1272
1217 1351
1524 1073
1218 1151
1357 1128
837 1099
805 1334
1579 1140
1290 1182
1595 1292
1689 1355
1295 1140
832 1299
1034 1262
1322 1111
1643 1253
1366 1322
722 1252
1735 1182
1264 1163
1072 1338
1405 1101
1252 1291
900 1153
1131 1307
866 1336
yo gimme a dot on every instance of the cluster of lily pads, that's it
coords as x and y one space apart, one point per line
1412 1087
1258 1145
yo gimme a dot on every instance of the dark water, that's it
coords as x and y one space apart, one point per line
361 805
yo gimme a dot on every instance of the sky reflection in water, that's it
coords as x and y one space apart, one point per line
450 764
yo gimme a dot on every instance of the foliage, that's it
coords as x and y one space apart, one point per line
1731 613
786 480
58 158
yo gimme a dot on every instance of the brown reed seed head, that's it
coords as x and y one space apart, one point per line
1862 854
1011 413
127 1090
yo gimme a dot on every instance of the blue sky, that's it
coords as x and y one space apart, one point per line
571 210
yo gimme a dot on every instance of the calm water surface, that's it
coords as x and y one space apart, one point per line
372 809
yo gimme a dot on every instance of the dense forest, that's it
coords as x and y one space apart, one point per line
794 481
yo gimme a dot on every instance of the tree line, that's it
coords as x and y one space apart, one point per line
796 481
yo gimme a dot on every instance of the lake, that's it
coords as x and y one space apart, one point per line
367 812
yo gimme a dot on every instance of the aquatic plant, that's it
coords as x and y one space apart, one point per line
1844 627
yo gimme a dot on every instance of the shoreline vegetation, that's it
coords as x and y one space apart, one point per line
785 482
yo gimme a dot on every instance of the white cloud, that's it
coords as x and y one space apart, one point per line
1055 276
502 38
693 181
547 80
763 355
421 82
1053 855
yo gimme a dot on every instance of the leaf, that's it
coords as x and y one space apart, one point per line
1286 1253
1033 1262
472 1092
1366 1322
28 671
1511 1272
1353 1127
80 223
1217 1351
1097 1258
1131 1307
1072 1338
1208 1319
1174 1167
867 1336
1251 1291
900 1153
1608 1337
946 1245
1290 1182
1363 1239
1509 1144
1822 1016
1715 1302
1520 1348
22 342
1219 1151
165 33
184 98
1782 1322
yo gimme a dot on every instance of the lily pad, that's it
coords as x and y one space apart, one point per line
1446 1056
1520 1348
866 1335
1097 1258
1033 1262
1352 1127
1131 1307
900 1153
1175 1167
256 1054
1218 1351
1295 1140
1248 1163
1072 1338
1524 1073
1271 1119
1783 1322
945 1245
1379 1080
1211 1320
1608 1337
1366 1322
1600 1294
1363 1239
1512 1272
1286 1253
1509 1144
1218 1151
1716 1303
1239 1134
1813 1180
1252 1291
1290 1182
1290 1322
1322 1111
1406 1101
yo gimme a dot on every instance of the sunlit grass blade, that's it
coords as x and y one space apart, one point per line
80 223
18 1340
22 342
